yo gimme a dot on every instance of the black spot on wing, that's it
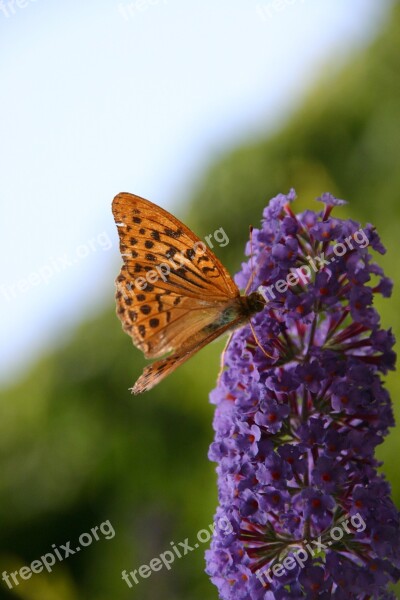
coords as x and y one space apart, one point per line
173 233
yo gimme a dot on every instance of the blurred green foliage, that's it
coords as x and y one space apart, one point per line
76 449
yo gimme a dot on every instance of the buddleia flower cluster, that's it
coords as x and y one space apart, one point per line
299 415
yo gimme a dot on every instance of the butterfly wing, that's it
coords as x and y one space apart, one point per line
158 370
171 286
161 320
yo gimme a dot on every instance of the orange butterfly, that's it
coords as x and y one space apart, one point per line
173 294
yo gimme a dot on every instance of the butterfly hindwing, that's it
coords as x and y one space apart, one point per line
159 322
158 370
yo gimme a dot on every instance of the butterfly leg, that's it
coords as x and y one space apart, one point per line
221 368
258 341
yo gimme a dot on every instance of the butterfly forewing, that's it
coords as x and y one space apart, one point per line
151 237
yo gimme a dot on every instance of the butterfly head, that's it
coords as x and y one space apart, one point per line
253 303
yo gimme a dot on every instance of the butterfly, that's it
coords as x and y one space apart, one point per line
173 294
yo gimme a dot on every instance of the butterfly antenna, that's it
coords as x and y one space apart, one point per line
252 272
247 289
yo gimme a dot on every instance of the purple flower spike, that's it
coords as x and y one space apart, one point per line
296 428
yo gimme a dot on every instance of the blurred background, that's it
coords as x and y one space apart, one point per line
208 109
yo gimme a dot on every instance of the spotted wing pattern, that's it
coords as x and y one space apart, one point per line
159 369
172 292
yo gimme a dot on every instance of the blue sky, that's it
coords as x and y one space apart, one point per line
102 97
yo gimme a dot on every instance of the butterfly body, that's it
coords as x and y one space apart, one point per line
173 294
241 310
